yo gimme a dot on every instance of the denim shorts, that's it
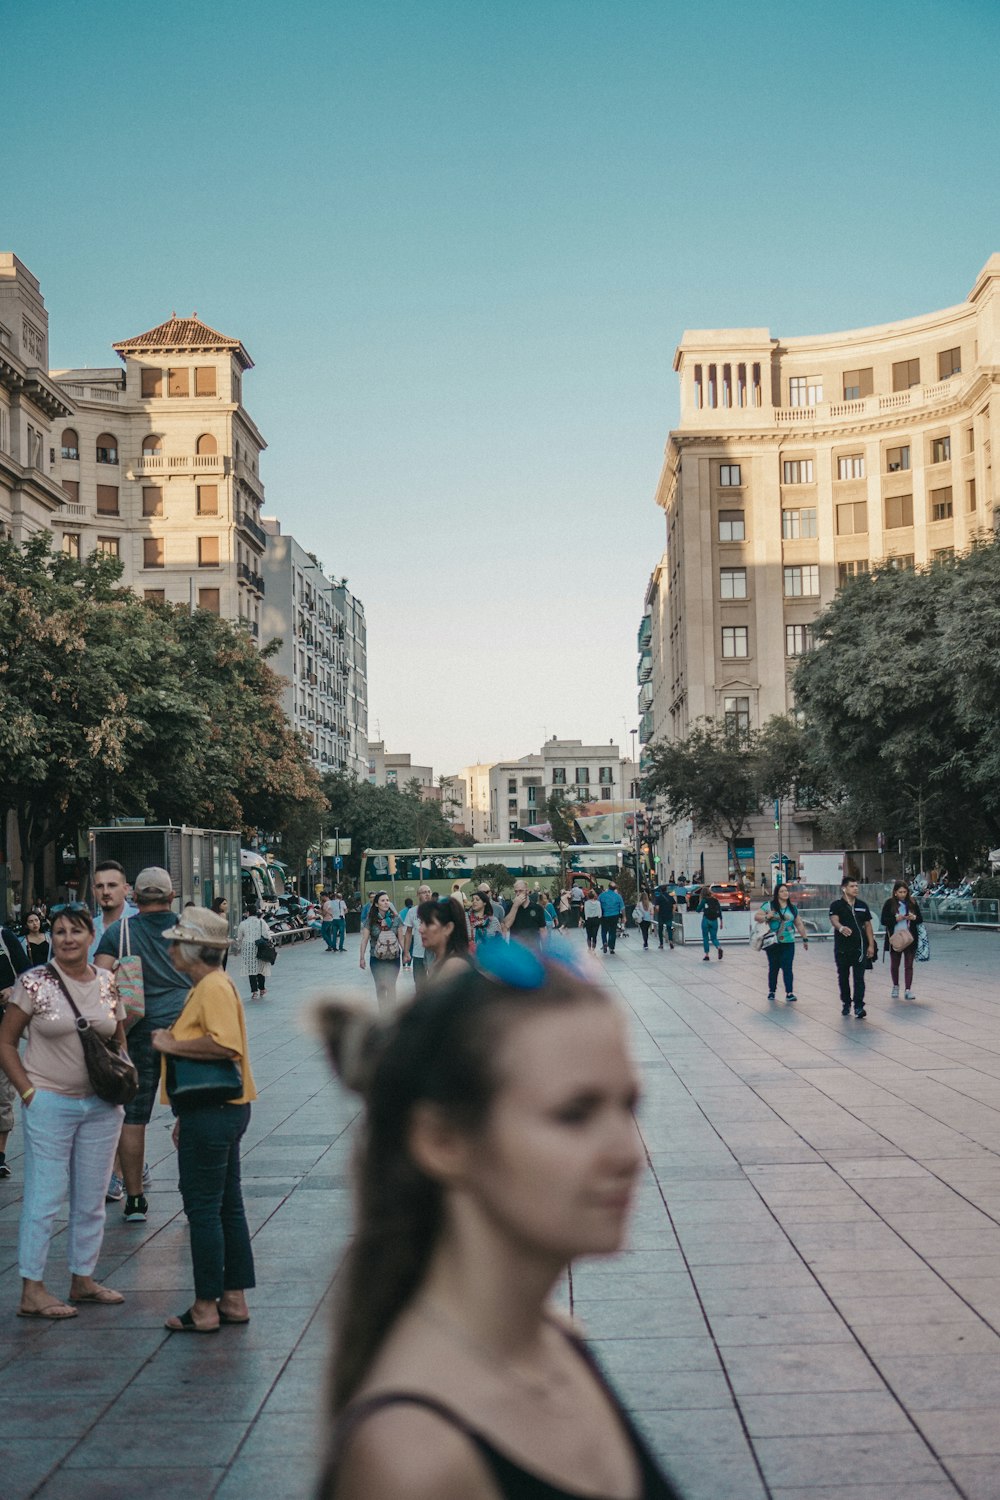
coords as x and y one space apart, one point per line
148 1062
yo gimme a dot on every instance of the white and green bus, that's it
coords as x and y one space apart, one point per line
401 871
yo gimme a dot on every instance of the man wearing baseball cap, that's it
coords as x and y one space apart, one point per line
166 991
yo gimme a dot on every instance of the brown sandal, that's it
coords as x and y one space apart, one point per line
48 1313
105 1296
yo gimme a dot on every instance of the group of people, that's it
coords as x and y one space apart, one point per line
183 1010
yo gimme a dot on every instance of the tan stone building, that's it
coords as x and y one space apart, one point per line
797 463
32 406
159 464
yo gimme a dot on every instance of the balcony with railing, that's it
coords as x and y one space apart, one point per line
646 727
179 463
645 635
107 396
246 523
644 671
249 478
645 697
824 413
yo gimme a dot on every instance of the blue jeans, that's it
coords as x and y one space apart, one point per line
709 932
208 1161
326 933
339 929
68 1144
779 961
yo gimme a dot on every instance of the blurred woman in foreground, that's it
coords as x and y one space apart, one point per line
499 1145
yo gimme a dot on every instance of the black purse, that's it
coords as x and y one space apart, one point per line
112 1073
195 1081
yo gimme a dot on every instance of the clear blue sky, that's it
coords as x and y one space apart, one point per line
461 242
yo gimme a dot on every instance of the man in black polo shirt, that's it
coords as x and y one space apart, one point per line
525 919
853 941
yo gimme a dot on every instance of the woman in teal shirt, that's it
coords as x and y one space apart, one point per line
782 917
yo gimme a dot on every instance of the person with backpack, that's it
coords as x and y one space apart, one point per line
711 920
782 918
665 904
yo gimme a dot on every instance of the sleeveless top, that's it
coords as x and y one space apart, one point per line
513 1481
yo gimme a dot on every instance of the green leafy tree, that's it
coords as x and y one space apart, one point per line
721 777
560 814
496 876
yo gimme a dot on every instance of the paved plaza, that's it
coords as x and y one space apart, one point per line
809 1309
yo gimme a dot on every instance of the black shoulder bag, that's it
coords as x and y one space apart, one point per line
112 1073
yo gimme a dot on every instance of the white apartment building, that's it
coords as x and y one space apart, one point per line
308 612
590 776
32 407
799 463
159 465
396 768
475 783
352 612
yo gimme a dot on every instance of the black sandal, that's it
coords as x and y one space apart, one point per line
188 1325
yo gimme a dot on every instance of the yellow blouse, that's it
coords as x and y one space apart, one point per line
214 1009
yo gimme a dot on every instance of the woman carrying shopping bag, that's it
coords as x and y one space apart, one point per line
782 919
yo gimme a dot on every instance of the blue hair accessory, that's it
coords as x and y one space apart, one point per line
512 963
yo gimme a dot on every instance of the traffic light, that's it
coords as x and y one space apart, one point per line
777 813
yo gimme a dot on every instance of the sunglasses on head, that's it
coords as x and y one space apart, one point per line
75 908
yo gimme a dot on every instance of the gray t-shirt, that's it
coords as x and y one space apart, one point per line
166 989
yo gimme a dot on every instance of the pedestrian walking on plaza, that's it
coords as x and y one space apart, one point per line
211 1101
249 933
644 916
413 944
901 916
478 1183
485 923
165 992
70 1135
575 903
339 920
853 945
525 919
612 907
326 921
592 918
381 933
782 918
442 923
711 921
665 905
221 908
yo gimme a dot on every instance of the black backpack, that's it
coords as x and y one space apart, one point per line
711 909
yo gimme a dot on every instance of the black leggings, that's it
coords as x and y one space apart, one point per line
593 928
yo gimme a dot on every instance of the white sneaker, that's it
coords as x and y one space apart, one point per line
895 992
909 995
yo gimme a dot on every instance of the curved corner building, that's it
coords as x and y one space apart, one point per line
797 463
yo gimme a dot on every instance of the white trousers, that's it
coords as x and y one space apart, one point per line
68 1144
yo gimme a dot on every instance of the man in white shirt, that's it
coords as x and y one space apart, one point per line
326 922
413 947
339 920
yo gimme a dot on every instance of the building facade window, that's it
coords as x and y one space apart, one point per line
155 596
72 489
949 363
797 471
798 640
606 775
970 494
206 444
152 552
109 545
852 569
582 776
905 373
558 775
152 500
107 500
852 518
798 524
179 382
898 511
940 450
511 787
805 390
71 544
70 444
204 380
736 715
152 446
107 448
901 562
208 499
210 599
735 641
897 459
729 476
606 793
802 581
851 466
151 383
733 583
942 505
732 526
858 383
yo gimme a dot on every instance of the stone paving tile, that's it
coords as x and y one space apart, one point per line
854 1458
970 1433
798 1414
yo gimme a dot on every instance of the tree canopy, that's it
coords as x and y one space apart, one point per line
383 817
902 698
113 707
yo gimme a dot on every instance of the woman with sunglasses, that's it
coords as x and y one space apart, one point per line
499 1145
382 934
70 1135
443 934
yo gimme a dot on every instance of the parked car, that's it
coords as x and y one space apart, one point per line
731 897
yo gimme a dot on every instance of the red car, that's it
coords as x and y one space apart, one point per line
731 897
